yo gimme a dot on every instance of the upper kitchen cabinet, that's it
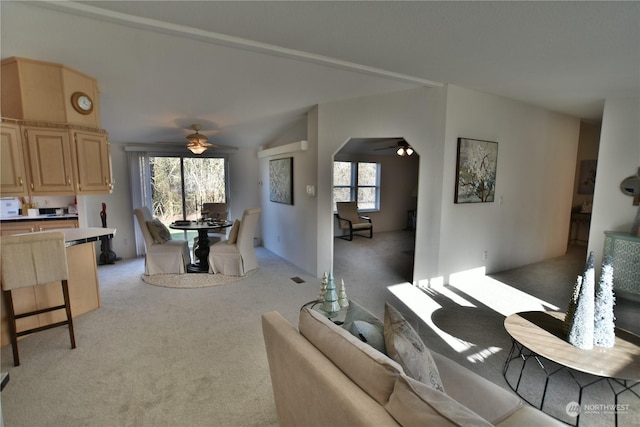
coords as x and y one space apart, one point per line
49 153
92 161
13 181
52 143
48 92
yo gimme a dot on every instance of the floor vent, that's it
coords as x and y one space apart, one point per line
297 279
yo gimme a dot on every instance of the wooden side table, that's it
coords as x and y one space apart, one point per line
538 335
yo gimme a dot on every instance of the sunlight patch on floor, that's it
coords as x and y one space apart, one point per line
496 295
423 306
481 355
469 288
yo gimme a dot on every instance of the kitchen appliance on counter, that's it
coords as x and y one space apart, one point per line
9 207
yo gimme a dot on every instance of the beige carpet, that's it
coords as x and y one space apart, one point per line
153 356
186 281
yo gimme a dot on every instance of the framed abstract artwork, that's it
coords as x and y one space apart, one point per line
476 171
281 180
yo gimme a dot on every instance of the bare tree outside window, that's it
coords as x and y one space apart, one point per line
178 183
357 181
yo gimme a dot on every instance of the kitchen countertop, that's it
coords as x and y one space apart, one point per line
78 236
46 217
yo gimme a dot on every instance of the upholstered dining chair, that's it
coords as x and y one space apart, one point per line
217 211
30 260
350 221
236 255
170 256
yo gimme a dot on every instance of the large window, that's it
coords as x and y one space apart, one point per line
357 181
180 184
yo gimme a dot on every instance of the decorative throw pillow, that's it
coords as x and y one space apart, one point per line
365 326
371 370
405 346
233 234
413 403
159 231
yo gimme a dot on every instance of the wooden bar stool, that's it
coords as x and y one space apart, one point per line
32 260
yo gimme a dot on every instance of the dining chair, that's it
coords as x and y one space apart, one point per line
171 256
236 256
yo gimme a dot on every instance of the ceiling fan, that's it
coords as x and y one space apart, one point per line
198 143
402 148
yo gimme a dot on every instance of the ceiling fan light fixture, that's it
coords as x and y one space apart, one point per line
409 151
401 151
197 143
197 148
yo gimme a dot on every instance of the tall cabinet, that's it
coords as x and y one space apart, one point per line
52 143
624 250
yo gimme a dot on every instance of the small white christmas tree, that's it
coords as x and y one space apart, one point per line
581 331
604 334
571 309
343 300
330 304
323 287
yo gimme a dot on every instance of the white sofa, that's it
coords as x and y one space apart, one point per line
324 375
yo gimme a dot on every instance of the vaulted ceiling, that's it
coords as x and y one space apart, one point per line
246 70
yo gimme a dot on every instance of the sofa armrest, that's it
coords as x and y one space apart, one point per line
308 389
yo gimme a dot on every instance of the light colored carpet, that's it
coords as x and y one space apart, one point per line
192 280
157 356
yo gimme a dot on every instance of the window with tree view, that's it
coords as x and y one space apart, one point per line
357 181
179 184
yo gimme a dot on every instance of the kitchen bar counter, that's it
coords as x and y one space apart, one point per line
46 217
84 290
78 236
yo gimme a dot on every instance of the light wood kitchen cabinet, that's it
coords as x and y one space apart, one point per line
18 227
51 120
92 162
42 91
13 181
49 153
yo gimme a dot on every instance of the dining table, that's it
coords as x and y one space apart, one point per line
201 263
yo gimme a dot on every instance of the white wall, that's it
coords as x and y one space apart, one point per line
244 180
529 220
418 116
618 158
289 230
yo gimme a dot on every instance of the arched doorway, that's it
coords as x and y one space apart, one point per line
388 258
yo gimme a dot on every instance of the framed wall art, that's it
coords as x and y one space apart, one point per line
281 180
476 171
587 181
